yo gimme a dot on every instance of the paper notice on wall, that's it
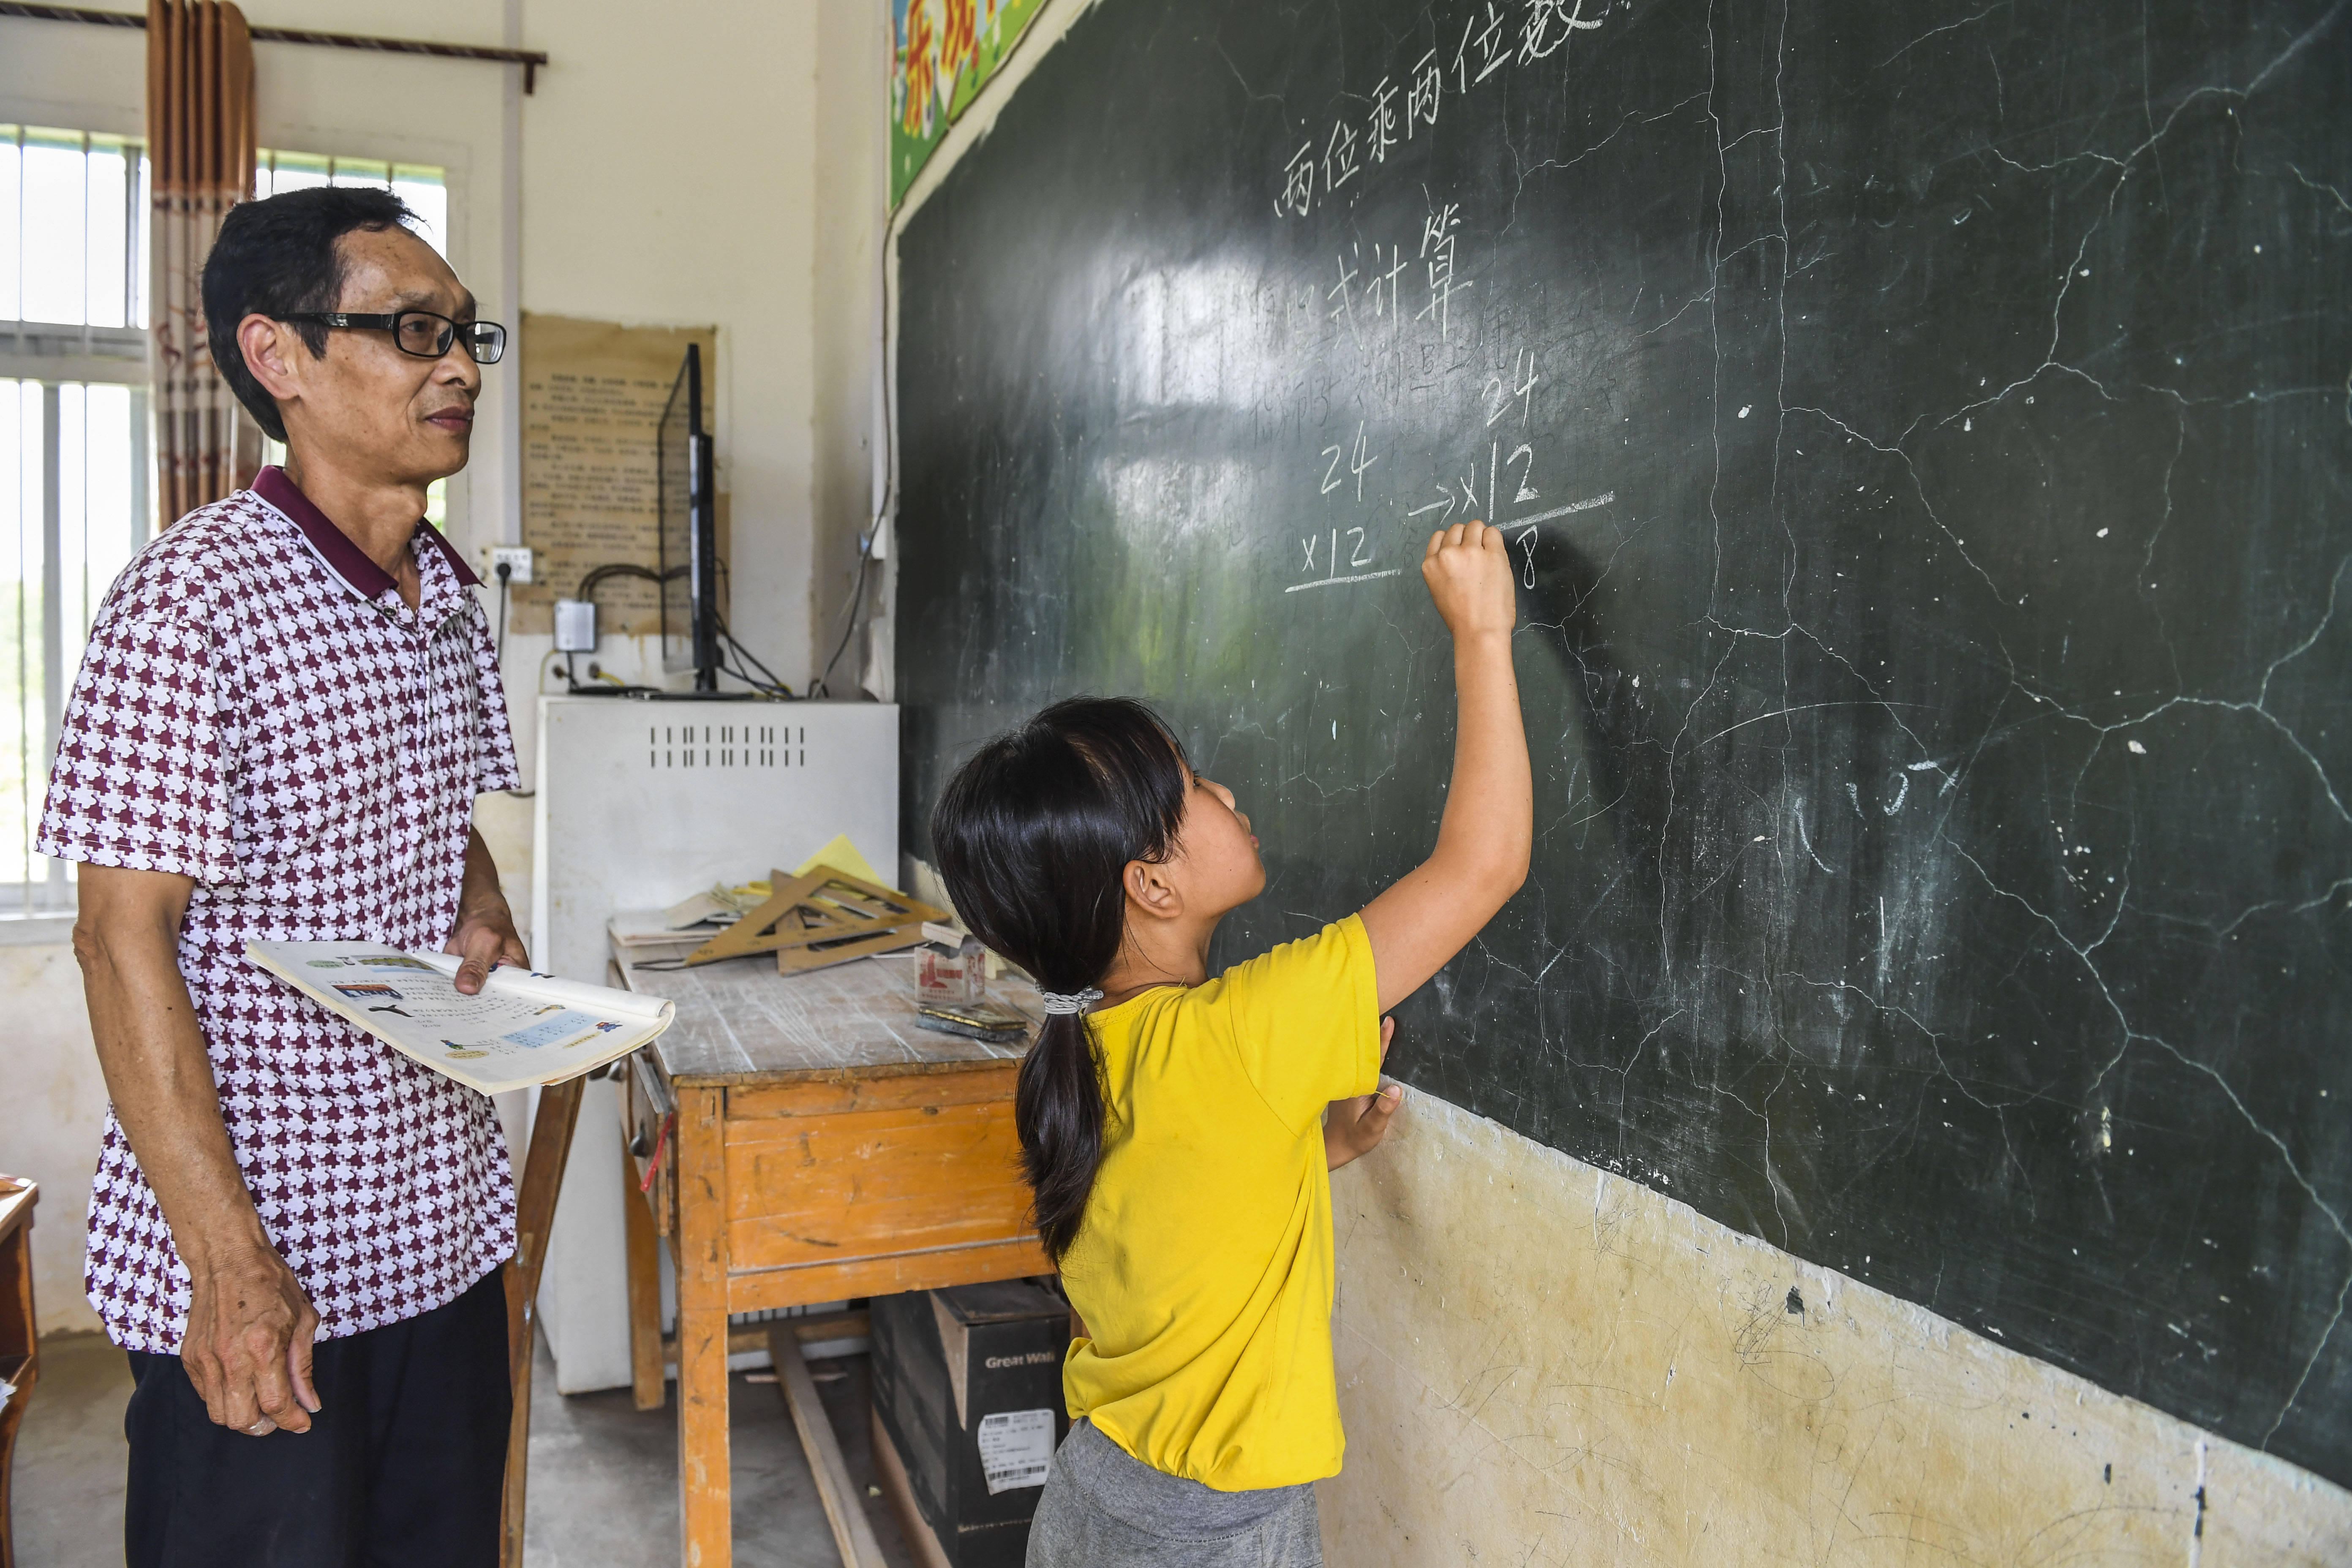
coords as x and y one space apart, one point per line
593 394
1016 1449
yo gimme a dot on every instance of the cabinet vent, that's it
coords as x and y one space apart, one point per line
726 746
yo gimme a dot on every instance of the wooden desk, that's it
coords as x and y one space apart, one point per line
813 1145
20 1350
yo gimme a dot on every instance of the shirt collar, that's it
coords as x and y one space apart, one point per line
348 561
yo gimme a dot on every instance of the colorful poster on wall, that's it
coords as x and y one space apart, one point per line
942 53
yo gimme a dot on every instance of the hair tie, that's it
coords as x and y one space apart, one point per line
1058 1002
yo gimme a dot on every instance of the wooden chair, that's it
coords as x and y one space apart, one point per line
20 1351
543 1177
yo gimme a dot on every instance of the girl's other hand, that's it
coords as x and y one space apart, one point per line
1355 1126
1468 570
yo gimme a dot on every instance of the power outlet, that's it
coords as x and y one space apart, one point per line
517 556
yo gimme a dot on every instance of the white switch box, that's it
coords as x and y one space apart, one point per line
517 556
575 625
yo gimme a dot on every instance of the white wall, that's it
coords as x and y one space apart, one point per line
49 1122
1540 1363
668 168
852 144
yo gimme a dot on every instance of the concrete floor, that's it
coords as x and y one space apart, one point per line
604 1478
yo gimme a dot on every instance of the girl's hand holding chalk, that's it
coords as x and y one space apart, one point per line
1355 1126
1468 570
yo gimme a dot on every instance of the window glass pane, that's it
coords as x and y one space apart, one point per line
73 229
428 199
107 185
283 172
23 727
55 234
141 205
96 523
12 196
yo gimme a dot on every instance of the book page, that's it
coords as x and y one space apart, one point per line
522 1029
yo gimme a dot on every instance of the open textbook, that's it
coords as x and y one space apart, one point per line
521 1028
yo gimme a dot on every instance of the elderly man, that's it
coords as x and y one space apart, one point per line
289 702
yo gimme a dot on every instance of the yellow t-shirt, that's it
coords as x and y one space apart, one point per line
1204 1266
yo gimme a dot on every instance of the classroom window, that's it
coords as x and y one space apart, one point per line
76 457
75 464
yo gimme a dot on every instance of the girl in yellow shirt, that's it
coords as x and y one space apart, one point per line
1173 1126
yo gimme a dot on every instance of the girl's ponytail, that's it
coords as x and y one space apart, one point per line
1034 835
1057 1109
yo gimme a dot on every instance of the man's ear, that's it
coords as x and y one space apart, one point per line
1149 890
275 354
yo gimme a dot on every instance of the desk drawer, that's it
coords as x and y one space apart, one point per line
849 1091
861 1183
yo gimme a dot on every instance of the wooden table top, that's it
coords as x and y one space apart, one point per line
17 1196
740 1022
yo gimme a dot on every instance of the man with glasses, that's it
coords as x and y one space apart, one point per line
288 705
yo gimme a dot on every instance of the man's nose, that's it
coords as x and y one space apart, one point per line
459 366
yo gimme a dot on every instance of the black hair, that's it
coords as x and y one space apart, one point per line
279 258
1034 835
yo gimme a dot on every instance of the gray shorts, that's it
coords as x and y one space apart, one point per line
1102 1509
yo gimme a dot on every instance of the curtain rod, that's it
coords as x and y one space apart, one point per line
530 60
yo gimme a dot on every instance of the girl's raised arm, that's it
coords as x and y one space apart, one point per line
1489 829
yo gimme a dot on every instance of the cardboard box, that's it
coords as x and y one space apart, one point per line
968 1389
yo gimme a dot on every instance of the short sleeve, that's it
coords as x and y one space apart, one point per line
494 750
145 770
1305 1021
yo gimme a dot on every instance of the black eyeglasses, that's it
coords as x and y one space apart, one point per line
422 333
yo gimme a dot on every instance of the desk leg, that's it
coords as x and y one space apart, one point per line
542 1178
644 1268
702 1258
19 1340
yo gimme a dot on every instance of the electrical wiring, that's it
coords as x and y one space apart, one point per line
822 684
772 686
857 592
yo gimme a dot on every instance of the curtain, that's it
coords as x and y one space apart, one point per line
200 135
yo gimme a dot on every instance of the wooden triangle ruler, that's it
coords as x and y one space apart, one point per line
826 909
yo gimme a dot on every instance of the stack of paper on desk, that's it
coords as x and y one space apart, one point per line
521 1028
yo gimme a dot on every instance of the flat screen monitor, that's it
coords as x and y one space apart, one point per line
690 531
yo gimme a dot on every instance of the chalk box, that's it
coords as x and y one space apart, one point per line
968 1389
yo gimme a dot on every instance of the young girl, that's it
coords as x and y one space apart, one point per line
1170 1124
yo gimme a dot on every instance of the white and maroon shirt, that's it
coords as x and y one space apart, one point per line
260 711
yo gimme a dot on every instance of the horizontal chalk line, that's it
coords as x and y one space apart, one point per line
1563 510
1359 577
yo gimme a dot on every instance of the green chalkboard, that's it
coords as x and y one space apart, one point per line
1925 433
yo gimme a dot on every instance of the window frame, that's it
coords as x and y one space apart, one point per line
54 355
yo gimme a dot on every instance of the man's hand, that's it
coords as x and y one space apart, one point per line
1355 1126
485 935
247 1349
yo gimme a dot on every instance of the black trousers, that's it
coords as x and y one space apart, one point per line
404 1464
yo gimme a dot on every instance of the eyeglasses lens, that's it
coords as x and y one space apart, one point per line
427 336
486 340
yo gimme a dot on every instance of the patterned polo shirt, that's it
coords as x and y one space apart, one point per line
259 711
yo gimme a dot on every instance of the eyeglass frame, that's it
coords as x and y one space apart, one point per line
390 322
